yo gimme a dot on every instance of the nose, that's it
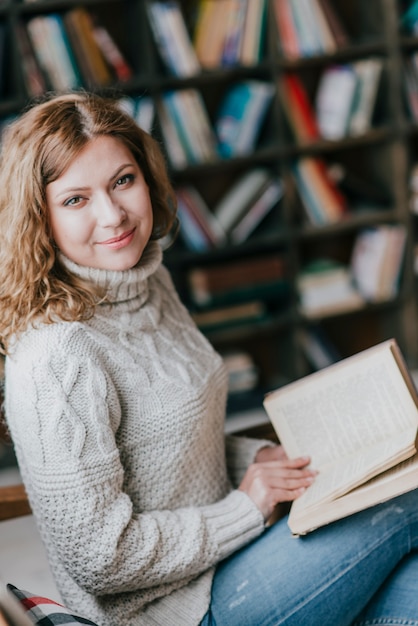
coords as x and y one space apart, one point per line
109 212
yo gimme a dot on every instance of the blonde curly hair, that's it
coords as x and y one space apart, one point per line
36 150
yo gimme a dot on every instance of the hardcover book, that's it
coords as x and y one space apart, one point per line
241 115
357 419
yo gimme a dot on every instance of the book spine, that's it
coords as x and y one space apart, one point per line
298 109
202 214
210 33
334 100
257 212
235 29
235 202
40 38
182 43
260 99
112 53
368 72
172 141
310 201
89 55
145 113
304 27
253 32
215 279
340 34
197 118
174 107
332 202
64 56
190 230
288 36
172 38
326 36
34 79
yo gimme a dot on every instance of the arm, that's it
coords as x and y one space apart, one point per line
65 428
241 452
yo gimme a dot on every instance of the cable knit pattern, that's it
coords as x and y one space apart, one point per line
118 429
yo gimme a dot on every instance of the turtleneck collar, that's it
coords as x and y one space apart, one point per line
123 285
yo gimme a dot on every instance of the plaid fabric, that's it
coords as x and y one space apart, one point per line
45 612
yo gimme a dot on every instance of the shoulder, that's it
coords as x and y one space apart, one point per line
43 341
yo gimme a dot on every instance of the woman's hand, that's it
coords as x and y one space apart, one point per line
274 478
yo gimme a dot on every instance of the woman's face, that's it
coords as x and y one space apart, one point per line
100 208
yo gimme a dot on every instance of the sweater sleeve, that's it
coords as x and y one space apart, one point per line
65 430
240 453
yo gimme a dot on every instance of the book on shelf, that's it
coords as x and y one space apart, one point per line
321 198
368 72
174 148
229 32
201 229
307 28
413 188
317 347
112 53
242 372
53 51
357 419
298 109
346 98
33 75
234 205
286 29
191 232
269 196
239 280
172 37
190 119
141 108
333 102
253 32
235 20
230 315
240 116
209 33
409 18
336 25
93 66
175 106
326 287
376 261
410 84
327 42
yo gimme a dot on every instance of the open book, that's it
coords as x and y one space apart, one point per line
357 419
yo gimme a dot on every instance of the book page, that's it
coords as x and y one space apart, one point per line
351 405
352 471
395 481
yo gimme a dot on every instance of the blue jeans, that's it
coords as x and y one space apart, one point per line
361 570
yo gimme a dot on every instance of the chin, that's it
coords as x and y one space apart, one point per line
123 264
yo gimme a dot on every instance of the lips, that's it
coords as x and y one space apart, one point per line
121 241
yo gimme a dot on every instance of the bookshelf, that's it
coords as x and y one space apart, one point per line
367 172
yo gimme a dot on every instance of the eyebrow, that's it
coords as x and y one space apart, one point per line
70 190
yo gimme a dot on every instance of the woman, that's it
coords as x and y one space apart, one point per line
116 405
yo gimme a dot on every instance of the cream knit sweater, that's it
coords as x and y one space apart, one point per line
118 428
